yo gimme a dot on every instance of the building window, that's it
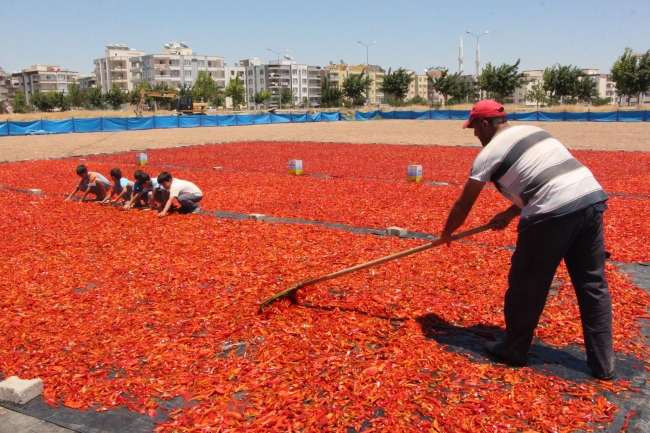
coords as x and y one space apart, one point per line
61 77
250 82
250 72
232 73
261 80
304 81
187 63
188 73
295 90
295 71
304 90
295 81
304 71
201 63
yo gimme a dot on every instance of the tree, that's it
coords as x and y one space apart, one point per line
262 97
134 95
76 95
447 85
286 95
397 83
219 99
562 81
461 92
95 98
643 76
354 87
57 100
536 94
45 101
586 89
204 87
330 96
500 82
115 97
19 104
235 90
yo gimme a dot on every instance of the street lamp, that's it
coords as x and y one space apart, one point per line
279 82
478 56
368 72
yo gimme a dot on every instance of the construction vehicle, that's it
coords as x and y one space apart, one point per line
182 104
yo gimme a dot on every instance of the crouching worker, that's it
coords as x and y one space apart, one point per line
122 187
91 182
152 191
136 192
186 193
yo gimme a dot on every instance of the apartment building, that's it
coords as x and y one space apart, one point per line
44 78
3 85
87 81
376 74
176 66
419 86
303 80
432 95
335 74
116 67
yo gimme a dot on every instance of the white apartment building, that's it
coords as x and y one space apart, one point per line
115 67
44 78
303 80
87 81
177 66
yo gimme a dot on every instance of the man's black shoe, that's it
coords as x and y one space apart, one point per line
496 349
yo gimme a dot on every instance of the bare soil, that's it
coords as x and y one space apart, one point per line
578 135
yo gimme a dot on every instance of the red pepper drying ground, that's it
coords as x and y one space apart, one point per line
116 308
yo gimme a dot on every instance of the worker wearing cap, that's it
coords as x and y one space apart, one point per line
560 205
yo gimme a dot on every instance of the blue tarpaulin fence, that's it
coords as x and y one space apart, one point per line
117 124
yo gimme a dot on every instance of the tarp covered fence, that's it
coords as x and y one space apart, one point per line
117 124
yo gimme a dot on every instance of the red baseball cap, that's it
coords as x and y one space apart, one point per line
485 109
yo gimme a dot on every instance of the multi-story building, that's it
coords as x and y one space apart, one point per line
87 81
42 79
419 86
303 80
177 66
3 86
116 67
376 74
335 74
432 95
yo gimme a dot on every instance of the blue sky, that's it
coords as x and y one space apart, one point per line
410 34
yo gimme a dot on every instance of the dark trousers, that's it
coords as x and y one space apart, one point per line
189 201
578 239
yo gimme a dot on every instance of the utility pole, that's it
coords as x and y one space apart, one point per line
367 71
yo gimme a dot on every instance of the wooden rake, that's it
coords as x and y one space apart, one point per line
291 291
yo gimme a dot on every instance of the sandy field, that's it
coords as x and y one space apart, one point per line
578 135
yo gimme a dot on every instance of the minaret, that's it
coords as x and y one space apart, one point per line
460 56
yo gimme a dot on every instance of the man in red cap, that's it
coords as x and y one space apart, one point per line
560 208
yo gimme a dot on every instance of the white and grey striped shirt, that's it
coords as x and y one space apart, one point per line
537 173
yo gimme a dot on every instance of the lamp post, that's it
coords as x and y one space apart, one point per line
368 72
279 84
478 57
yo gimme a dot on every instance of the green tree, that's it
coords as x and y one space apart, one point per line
562 81
330 96
44 101
19 104
624 71
461 92
586 89
57 100
500 82
95 98
134 95
235 90
447 85
204 87
262 97
397 83
76 96
355 85
643 76
536 94
115 97
219 99
286 96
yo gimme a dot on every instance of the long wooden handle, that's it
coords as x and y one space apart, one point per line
405 253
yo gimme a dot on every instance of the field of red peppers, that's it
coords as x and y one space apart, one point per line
114 308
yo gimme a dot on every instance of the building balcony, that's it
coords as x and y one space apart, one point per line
160 66
119 80
166 77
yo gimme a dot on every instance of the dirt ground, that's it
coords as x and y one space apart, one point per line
578 135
